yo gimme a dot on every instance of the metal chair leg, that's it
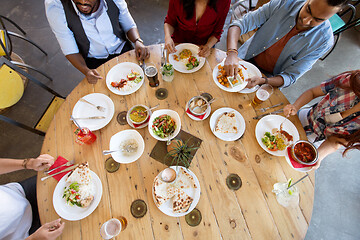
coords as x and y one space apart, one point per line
23 126
28 40
332 48
31 67
11 21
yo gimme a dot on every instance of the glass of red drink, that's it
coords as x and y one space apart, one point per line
84 136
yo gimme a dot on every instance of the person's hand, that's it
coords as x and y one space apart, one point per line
253 81
231 64
40 163
204 51
48 231
290 110
92 76
170 45
141 51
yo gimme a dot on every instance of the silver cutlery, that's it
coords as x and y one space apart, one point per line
297 181
267 108
63 165
100 108
128 149
65 170
76 123
153 107
94 117
162 55
270 113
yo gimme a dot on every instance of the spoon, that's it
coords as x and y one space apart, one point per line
128 149
152 108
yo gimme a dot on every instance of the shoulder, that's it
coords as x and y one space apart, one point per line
53 3
325 32
53 6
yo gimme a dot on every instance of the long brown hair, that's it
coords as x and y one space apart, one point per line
189 7
353 141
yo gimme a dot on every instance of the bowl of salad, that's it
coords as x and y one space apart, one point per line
164 124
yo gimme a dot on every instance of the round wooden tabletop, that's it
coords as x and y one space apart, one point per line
252 212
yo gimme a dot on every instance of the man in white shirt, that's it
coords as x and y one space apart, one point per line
18 205
91 32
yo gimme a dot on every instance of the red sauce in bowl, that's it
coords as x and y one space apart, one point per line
304 152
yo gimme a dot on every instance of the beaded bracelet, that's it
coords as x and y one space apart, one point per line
231 50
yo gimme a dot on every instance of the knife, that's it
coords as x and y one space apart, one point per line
270 113
95 117
267 108
65 170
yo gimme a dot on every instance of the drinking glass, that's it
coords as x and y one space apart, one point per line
167 72
84 136
113 227
151 73
262 94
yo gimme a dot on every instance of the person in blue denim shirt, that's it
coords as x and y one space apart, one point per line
292 35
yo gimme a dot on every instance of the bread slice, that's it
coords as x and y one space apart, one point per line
226 123
184 180
81 174
181 202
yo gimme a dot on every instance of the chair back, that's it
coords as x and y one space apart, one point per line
11 87
4 44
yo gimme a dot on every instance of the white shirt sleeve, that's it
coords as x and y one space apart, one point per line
57 20
125 18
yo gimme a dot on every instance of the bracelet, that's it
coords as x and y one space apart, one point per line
232 50
25 162
266 79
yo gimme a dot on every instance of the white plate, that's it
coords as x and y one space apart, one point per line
75 213
180 66
304 169
174 115
228 89
194 193
207 113
121 136
252 71
82 109
120 71
267 123
240 124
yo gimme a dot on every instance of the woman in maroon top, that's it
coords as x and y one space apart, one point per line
195 21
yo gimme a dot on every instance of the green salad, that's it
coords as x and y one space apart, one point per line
193 62
163 126
71 194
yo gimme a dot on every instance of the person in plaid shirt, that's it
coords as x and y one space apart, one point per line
335 120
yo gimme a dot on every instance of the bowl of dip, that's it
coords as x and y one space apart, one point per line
138 114
304 152
198 105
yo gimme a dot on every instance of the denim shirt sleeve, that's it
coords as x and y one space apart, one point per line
257 18
296 70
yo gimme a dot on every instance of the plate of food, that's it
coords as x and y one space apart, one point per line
125 78
178 198
273 139
227 83
252 71
89 116
164 124
77 194
186 58
131 146
227 124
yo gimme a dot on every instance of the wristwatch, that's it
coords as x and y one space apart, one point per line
139 39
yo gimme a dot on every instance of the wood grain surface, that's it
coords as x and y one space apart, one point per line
251 212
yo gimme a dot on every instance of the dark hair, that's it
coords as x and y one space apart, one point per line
353 141
189 6
354 82
336 3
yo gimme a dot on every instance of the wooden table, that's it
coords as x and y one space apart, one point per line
251 212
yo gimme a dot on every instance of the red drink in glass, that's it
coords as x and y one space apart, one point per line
84 136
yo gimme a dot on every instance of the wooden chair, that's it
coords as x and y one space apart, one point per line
12 89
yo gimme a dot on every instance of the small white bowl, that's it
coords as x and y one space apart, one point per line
121 136
174 115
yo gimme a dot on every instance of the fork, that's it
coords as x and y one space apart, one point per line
100 108
64 165
267 108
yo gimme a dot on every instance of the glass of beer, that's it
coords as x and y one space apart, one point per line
113 227
151 73
262 94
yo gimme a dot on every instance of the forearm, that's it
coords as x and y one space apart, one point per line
307 96
168 30
330 145
232 37
133 34
10 165
78 62
211 41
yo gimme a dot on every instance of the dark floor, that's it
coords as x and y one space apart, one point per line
336 212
